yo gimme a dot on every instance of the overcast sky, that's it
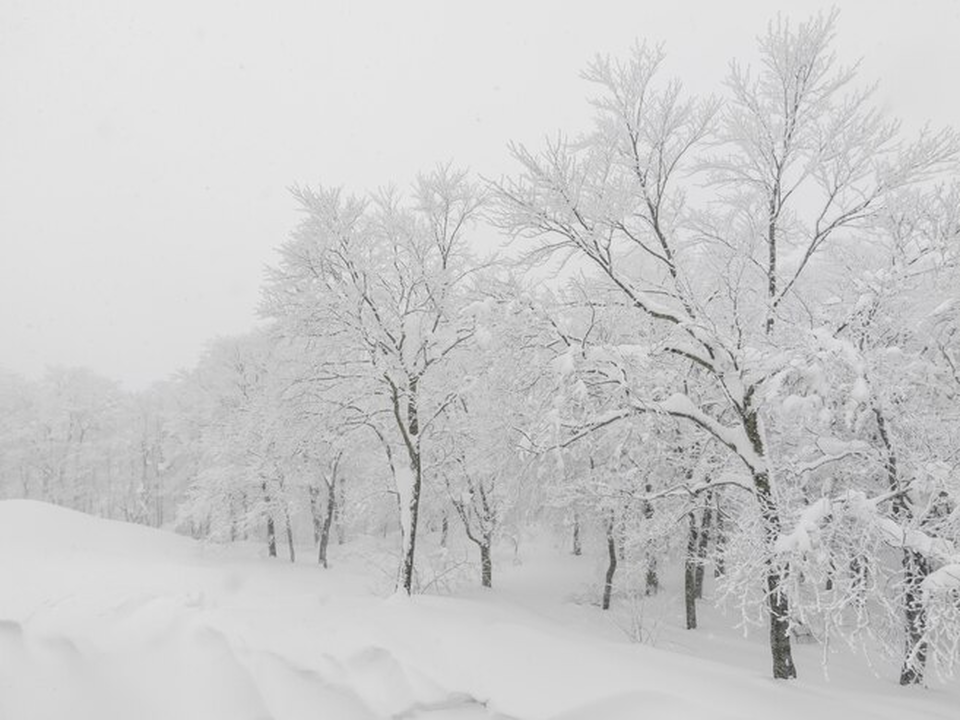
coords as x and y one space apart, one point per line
146 148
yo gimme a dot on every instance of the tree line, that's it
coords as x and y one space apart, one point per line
726 330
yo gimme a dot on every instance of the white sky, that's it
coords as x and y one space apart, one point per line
146 148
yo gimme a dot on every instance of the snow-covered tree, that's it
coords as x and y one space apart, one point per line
383 278
719 224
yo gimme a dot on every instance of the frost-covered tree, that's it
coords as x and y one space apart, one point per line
482 447
873 398
718 223
243 478
383 278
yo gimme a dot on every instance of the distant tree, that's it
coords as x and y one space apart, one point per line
243 479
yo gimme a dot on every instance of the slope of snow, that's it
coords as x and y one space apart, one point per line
106 620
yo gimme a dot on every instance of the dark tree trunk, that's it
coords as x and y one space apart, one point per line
651 579
783 667
915 569
690 574
486 564
777 603
720 564
703 540
611 564
327 523
577 547
271 538
444 529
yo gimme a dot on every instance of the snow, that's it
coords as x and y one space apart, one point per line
804 537
943 580
104 620
483 337
939 549
944 307
563 364
860 392
681 405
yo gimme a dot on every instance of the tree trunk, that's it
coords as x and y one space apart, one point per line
410 541
486 564
271 531
915 569
577 547
831 574
327 523
611 564
409 515
314 493
703 540
651 579
690 574
777 603
290 548
338 512
783 667
444 529
271 538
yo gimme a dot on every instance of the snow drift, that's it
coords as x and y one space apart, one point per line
105 620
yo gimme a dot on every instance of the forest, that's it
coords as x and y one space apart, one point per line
712 341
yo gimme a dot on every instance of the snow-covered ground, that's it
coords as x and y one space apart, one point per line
102 620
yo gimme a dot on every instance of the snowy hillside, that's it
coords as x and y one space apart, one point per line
102 620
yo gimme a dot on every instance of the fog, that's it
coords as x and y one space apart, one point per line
146 148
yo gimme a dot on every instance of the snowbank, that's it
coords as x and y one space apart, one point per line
106 620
